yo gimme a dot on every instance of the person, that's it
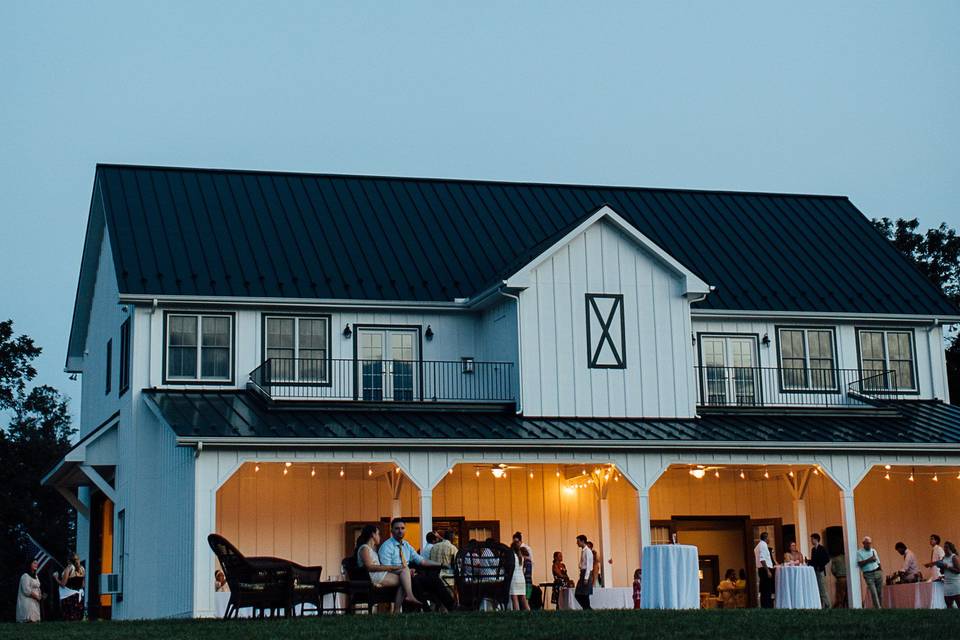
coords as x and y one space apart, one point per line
518 586
518 537
838 567
936 554
561 578
869 563
793 557
444 553
71 589
764 561
742 579
585 584
819 559
910 570
383 575
637 588
950 569
220 582
527 570
727 590
29 595
397 552
597 566
431 539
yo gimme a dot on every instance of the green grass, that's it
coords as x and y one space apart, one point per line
596 625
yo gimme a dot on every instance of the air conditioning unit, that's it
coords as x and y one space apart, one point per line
110 584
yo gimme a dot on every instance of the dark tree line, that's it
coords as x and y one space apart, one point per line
36 436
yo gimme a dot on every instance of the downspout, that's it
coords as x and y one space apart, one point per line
519 351
696 381
153 311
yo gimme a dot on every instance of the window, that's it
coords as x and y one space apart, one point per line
199 347
606 332
297 347
109 366
807 359
124 356
886 359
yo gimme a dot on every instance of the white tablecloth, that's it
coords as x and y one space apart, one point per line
222 598
916 595
602 598
796 588
671 577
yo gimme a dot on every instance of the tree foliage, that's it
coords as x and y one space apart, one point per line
36 437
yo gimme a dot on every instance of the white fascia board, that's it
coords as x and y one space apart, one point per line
254 302
821 316
692 283
616 445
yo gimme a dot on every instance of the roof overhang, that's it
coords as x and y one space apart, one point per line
693 285
84 464
93 241
822 316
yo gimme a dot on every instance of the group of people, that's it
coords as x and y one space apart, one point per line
944 565
69 584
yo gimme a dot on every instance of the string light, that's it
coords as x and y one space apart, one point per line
450 472
341 472
766 474
583 472
477 473
935 478
285 470
256 468
313 472
288 464
369 471
911 477
886 475
887 467
816 471
958 476
531 475
716 473
791 473
743 476
396 470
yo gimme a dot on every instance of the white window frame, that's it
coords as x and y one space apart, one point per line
324 380
199 378
809 387
885 332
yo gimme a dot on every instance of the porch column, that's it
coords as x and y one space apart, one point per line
643 497
800 517
605 545
395 482
204 523
426 514
854 589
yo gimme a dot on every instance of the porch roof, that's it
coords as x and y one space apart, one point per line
240 417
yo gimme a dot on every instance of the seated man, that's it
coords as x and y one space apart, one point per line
444 553
426 585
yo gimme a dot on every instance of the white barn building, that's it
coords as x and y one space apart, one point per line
281 358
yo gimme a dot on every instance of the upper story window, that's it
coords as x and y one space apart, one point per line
886 350
124 356
807 359
297 347
199 347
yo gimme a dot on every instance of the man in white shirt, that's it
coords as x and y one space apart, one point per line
869 563
910 571
585 583
764 561
936 554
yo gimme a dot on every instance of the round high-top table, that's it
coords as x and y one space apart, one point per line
671 577
796 588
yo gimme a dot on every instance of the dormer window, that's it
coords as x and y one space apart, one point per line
297 347
887 359
199 348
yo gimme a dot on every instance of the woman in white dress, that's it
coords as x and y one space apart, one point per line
518 586
28 595
383 575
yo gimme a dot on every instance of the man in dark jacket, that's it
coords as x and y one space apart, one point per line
819 560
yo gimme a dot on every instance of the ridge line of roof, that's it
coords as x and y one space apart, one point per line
567 185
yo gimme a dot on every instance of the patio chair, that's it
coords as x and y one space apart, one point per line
361 591
483 571
262 584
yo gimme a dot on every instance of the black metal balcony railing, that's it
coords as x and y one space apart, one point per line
467 381
801 387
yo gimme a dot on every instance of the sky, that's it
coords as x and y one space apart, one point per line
853 98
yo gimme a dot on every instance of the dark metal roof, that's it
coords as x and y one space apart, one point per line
240 414
212 232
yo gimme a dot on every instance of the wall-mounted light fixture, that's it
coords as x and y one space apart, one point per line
347 331
765 340
428 334
693 339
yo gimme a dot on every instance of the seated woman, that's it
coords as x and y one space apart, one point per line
383 575
727 590
560 577
794 558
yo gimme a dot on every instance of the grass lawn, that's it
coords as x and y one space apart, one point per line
596 625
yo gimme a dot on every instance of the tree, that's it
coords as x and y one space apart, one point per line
36 437
936 254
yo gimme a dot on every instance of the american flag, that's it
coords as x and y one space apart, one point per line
38 553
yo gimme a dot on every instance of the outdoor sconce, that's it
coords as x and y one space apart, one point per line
428 334
765 340
347 331
466 365
693 339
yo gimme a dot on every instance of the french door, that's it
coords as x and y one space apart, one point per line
387 362
730 374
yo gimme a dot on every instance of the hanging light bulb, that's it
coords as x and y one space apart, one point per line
396 470
583 472
911 477
935 478
616 478
766 474
558 473
698 473
256 468
285 470
887 467
531 475
816 471
791 473
958 476
341 472
369 471
313 472
716 473
477 473
886 476
288 464
743 476
450 472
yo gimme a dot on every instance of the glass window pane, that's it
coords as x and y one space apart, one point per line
313 333
280 334
871 345
821 345
791 343
216 332
183 331
898 346
182 362
215 362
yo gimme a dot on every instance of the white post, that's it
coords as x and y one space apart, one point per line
204 523
605 545
800 518
854 589
643 510
395 510
426 514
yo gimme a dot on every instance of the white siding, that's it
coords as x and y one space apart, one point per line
657 380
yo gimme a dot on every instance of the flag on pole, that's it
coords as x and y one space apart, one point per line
38 553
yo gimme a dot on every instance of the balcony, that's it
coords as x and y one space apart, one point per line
766 387
395 382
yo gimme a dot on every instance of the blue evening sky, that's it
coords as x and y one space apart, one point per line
855 98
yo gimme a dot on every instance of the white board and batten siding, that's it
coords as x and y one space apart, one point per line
657 379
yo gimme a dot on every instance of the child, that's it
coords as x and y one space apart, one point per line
636 589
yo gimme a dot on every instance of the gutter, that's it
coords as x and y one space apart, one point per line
826 315
500 290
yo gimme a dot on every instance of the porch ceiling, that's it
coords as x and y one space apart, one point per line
238 414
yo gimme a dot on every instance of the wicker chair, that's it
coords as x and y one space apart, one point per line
361 591
483 571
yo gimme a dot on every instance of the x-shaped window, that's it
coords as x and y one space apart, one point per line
605 331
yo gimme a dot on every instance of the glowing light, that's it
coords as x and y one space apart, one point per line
766 474
285 470
743 476
369 471
698 473
958 476
816 471
288 464
568 490
716 474
911 477
886 476
477 473
583 472
531 475
396 470
341 472
887 467
498 472
558 473
935 478
256 468
791 473
449 472
313 472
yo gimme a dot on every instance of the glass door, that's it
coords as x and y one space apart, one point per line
387 364
729 371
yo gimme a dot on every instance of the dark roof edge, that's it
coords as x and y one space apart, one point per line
352 176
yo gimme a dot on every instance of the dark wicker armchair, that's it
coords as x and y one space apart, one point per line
264 584
482 571
361 591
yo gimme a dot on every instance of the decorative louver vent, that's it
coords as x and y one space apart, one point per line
605 331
